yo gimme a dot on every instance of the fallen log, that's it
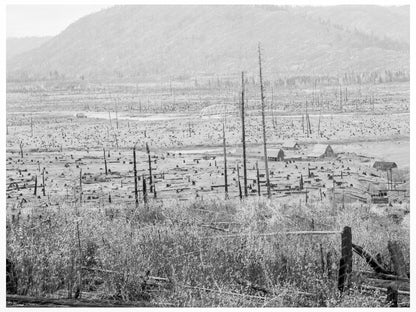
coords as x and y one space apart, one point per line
385 276
400 292
377 267
12 300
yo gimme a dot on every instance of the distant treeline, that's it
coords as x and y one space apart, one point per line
230 81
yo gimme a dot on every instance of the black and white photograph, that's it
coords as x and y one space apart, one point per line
206 155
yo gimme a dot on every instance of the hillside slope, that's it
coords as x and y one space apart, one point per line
187 40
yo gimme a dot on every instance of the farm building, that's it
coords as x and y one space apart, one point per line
290 145
321 151
384 165
277 155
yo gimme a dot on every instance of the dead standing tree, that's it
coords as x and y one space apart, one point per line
105 162
264 125
21 149
243 130
136 197
225 160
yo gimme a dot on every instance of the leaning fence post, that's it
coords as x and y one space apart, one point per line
345 265
392 295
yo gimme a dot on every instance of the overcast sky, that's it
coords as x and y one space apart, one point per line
44 20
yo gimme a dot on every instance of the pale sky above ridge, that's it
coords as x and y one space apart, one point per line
44 20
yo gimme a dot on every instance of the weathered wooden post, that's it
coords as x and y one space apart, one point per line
345 265
258 179
397 258
43 182
392 295
239 184
144 190
105 162
36 185
136 198
150 167
329 264
21 149
301 183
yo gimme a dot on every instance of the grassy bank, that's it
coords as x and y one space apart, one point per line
184 243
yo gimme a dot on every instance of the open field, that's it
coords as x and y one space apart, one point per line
71 192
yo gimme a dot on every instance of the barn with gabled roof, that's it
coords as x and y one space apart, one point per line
322 151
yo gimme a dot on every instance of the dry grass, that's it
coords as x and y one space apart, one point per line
204 268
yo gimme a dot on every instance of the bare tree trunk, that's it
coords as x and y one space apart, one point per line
136 198
258 179
243 129
105 162
80 186
225 160
266 161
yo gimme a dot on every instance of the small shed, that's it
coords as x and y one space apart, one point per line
322 151
290 145
276 155
281 155
384 165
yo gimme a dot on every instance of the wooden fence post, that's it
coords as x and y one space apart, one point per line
43 182
345 265
239 184
397 258
36 185
21 149
150 168
392 295
144 191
